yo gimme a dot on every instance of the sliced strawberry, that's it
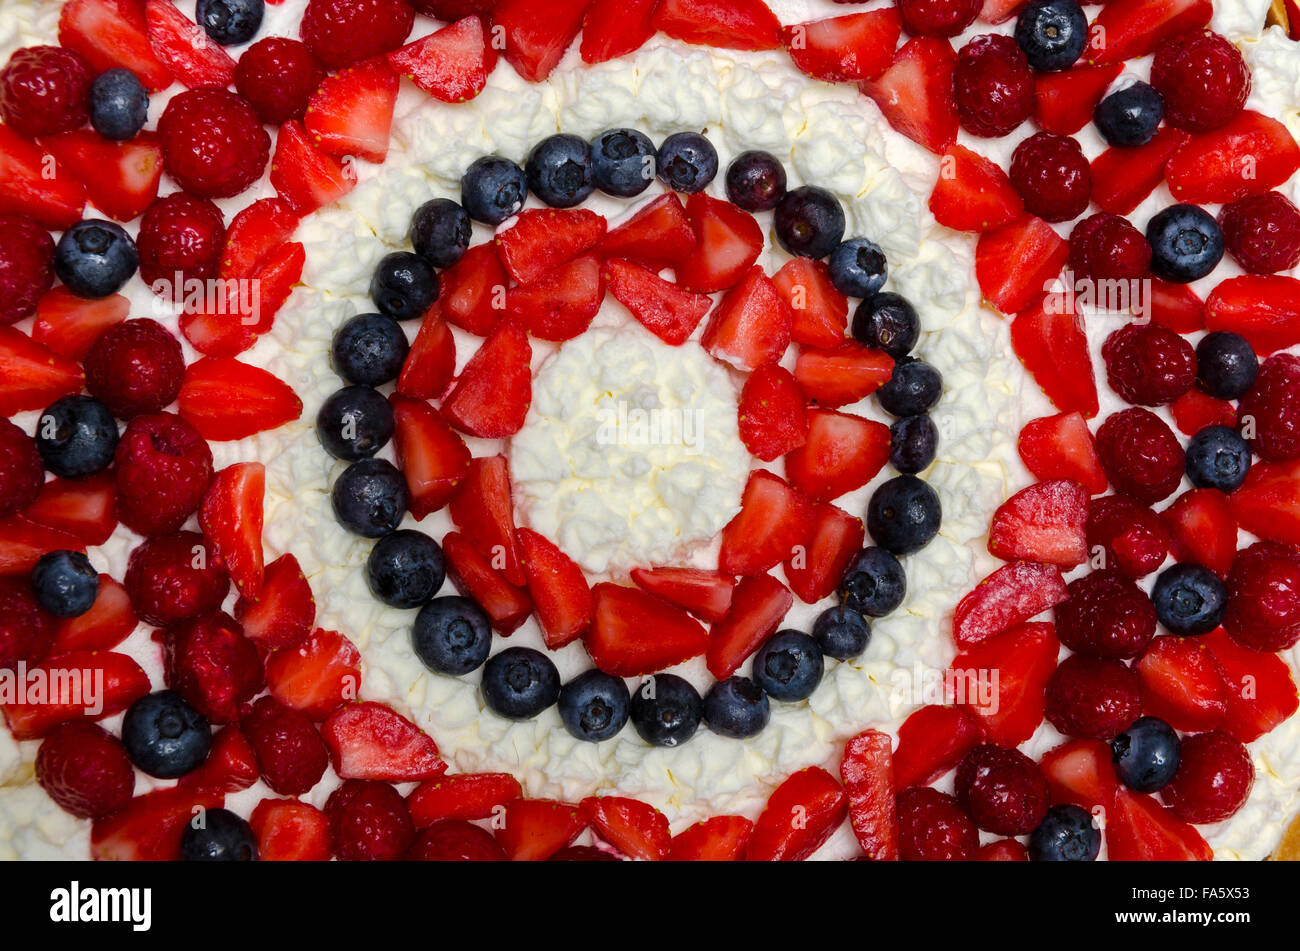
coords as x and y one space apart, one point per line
121 178
932 741
32 376
351 113
867 771
771 411
1268 502
231 519
483 510
1052 344
1250 155
104 32
560 304
1081 773
1004 679
317 675
372 741
669 312
1265 309
1261 692
23 542
231 764
1123 177
464 796
1064 101
1062 447
1176 306
220 331
816 799
719 839
1016 263
304 177
533 830
69 325
225 399
916 93
181 45
1127 29
535 38
727 243
845 374
706 594
1183 684
1202 526
472 292
290 831
1141 830
255 233
491 398
475 577
843 452
751 324
727 24
283 614
656 236
83 684
615 28
637 829
1011 595
758 607
845 48
149 827
973 193
561 596
544 238
999 11
26 188
108 623
773 519
431 362
820 310
1043 523
86 508
815 571
1196 409
431 455
451 64
634 633
273 283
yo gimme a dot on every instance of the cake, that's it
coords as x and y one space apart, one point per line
573 541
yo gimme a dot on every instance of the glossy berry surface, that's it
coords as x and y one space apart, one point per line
493 189
1146 755
520 683
858 268
809 222
452 635
686 162
841 632
441 232
135 368
230 22
369 821
44 90
559 171
354 423
1262 232
1203 78
594 706
1186 243
1052 176
1130 117
737 707
666 710
945 18
622 162
903 515
1218 458
933 827
1141 455
85 770
175 577
403 286
756 181
213 143
369 350
913 388
1273 407
76 436
1264 597
1226 365
1003 789
888 322
277 75
119 104
221 837
1107 247
165 736
1092 697
1214 777
26 267
370 498
1066 834
788 666
1148 365
405 569
1106 615
21 469
994 86
874 584
913 443
94 258
65 583
1052 34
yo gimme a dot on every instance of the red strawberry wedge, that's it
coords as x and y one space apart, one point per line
561 303
771 412
1062 447
351 113
668 311
815 568
845 374
27 189
1122 178
1045 523
706 594
727 243
558 588
471 293
451 64
657 235
536 37
432 456
474 576
867 771
751 324
820 310
543 238
317 676
999 11
1016 263
1064 101
1202 525
1003 679
533 830
107 34
973 193
254 235
69 325
773 519
86 507
1265 309
638 830
290 831
1209 168
916 93
231 764
1142 830
225 399
845 48
634 633
801 814
1177 307
371 741
758 606
463 796
283 613
119 680
1052 344
719 839
121 178
431 362
483 510
31 376
180 45
726 24
843 452
1011 595
1080 772
149 827
615 28
23 542
303 176
231 519
1127 29
1261 691
1183 684
108 623
491 398
1268 502
932 741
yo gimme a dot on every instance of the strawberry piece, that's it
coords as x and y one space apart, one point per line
558 588
1064 101
317 675
484 512
491 398
275 280
932 741
719 839
451 64
536 37
304 177
1196 409
706 594
290 831
615 28
371 741
751 324
535 829
1263 309
231 764
1011 595
108 623
845 374
1003 850
1081 772
109 37
916 93
1123 177
1054 349
1202 525
181 45
658 235
475 577
221 334
69 325
116 679
999 11
431 362
1127 29
811 794
544 238
843 453
727 243
773 519
231 519
121 178
771 410
465 796
867 771
1182 684
845 48
637 829
149 827
32 376
973 193
727 24
1016 263
633 633
1045 523
1004 680
1209 168
283 613
1261 692
1062 447
815 571
1142 830
26 188
86 508
759 606
351 112
669 312
254 234
819 309
1268 502
225 399
431 455
472 291
23 542
1176 306
560 304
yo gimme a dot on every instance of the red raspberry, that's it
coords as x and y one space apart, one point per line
26 266
1213 780
1106 615
455 840
1272 408
1140 455
22 473
290 752
1264 597
1262 232
135 367
277 76
343 32
1003 789
209 662
1105 247
1052 176
1203 79
369 821
1131 538
1092 697
26 631
163 470
181 239
85 770
938 17
933 827
174 578
1149 365
44 90
995 89
213 144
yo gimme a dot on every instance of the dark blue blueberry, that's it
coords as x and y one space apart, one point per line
687 162
1146 755
1186 243
65 583
230 22
558 171
874 583
119 105
809 222
858 268
913 442
789 665
1226 365
452 636
95 258
1065 835
736 707
355 423
441 232
1189 600
755 181
520 683
222 837
404 286
903 515
493 189
622 162
595 705
164 736
1218 458
405 569
887 322
666 710
841 632
76 437
913 388
370 498
1131 116
1052 33
369 349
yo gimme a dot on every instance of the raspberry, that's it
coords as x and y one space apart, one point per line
135 368
21 471
290 752
455 840
44 90
26 266
181 239
209 662
1140 455
995 89
343 32
1149 365
26 631
1130 536
1003 789
1052 176
1105 247
1262 232
1203 80
1106 615
163 470
938 17
369 821
85 770
1272 406
1264 597
1092 697
277 76
213 144
1213 780
174 578
933 827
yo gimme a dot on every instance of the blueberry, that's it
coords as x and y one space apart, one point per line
622 162
1065 835
164 736
230 22
903 515
1218 458
1226 365
874 583
76 436
370 498
355 423
887 322
369 349
595 706
1052 33
559 171
65 584
520 683
94 258
913 442
1189 600
441 232
666 710
736 707
755 181
222 837
789 665
858 268
493 189
452 635
913 388
1131 116
1146 755
1186 243
687 162
809 222
404 286
841 632
119 105
405 569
